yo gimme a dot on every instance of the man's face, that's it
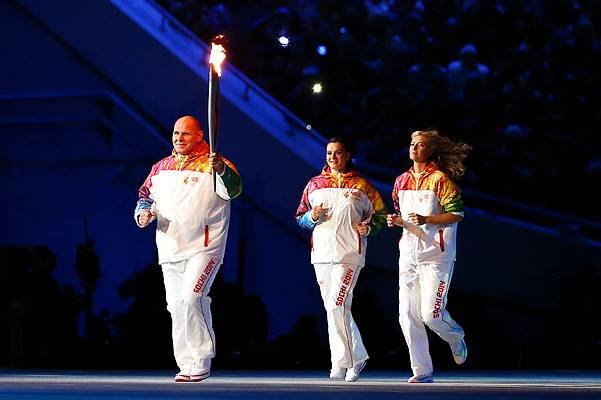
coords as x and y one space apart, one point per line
186 135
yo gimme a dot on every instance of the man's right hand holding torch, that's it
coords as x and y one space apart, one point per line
216 162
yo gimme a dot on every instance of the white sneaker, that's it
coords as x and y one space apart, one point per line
201 369
459 350
353 373
426 378
337 373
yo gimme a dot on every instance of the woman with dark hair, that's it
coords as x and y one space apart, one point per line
428 206
342 208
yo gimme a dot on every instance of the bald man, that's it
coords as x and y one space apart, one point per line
191 232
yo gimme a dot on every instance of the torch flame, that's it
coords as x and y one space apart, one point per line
217 57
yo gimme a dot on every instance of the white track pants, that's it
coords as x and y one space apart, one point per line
336 284
423 290
187 284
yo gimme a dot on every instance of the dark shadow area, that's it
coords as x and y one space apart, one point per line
39 318
379 328
574 338
302 348
47 326
144 332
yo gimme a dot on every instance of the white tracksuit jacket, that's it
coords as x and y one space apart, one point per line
348 200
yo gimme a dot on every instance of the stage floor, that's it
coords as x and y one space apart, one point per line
286 385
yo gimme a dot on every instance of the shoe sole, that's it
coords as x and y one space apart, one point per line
429 379
198 378
182 378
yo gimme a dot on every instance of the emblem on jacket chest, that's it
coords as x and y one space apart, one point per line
354 193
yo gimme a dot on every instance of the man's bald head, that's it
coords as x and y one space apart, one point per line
189 121
186 134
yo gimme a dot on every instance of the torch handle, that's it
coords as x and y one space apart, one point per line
213 114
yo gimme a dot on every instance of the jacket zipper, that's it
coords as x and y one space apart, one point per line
415 250
339 181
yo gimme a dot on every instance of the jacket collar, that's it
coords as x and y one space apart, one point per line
431 167
326 171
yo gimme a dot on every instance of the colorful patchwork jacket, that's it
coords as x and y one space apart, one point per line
348 199
431 192
190 216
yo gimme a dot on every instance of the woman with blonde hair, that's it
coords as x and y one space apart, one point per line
428 206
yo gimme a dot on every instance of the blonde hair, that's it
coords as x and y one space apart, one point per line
446 154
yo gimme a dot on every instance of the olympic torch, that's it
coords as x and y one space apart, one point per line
215 59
